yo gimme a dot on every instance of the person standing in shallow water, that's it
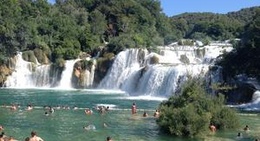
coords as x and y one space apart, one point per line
133 108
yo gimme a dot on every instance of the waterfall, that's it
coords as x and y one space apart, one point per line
89 76
22 75
174 65
66 76
256 97
42 76
30 75
125 64
254 105
134 71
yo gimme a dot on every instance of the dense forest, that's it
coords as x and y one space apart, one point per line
60 31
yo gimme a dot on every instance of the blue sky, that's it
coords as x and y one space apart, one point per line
175 7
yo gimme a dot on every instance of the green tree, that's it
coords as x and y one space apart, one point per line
193 110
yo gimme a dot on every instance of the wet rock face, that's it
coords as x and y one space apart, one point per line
243 93
4 73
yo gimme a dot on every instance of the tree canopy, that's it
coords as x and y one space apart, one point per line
193 110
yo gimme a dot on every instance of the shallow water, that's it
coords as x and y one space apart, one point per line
67 124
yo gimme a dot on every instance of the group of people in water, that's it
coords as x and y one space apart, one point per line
145 114
88 111
33 136
239 134
48 110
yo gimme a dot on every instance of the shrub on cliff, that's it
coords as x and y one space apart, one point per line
29 56
191 113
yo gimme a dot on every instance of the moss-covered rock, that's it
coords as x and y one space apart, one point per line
154 60
184 59
4 73
84 55
79 76
103 65
29 56
41 56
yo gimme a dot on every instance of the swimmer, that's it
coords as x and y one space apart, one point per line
46 114
90 127
27 139
13 107
51 110
145 114
34 137
75 108
12 139
29 107
246 128
133 108
156 114
2 136
88 111
239 135
107 108
109 139
212 128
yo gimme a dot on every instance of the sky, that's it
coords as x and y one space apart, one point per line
175 7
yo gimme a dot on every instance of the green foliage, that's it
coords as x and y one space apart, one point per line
86 64
192 111
29 56
245 59
64 29
59 63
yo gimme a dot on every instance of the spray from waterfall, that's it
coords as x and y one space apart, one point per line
160 74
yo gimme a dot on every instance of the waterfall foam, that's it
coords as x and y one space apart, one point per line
133 71
165 78
65 82
22 75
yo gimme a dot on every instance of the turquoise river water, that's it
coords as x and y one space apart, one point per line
67 124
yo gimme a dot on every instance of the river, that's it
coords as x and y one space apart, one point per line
67 123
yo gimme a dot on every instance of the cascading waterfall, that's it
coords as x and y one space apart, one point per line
125 64
133 70
89 76
31 75
42 76
162 79
22 75
65 82
254 105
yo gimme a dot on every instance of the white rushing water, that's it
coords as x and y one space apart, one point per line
22 75
163 79
132 71
254 105
65 82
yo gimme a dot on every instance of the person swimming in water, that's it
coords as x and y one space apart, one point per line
109 138
145 114
90 127
134 108
88 111
246 128
156 114
34 137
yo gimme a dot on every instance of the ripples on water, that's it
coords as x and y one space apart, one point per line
67 124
